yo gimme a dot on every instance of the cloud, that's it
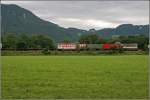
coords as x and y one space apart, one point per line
84 23
89 14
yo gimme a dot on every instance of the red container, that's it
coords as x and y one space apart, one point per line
106 46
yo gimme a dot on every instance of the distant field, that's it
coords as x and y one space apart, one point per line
122 77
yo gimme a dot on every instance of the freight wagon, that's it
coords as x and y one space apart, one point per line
95 46
66 46
131 46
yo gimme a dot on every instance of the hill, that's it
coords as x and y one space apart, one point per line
125 29
19 20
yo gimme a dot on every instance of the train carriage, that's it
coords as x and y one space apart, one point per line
106 46
82 46
94 46
130 46
66 46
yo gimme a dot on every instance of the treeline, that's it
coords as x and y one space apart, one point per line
141 40
24 42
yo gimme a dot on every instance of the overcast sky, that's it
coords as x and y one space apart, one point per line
89 14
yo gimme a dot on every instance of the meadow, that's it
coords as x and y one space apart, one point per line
68 77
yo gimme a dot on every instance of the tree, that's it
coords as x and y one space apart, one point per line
42 41
23 42
66 41
90 39
9 41
141 40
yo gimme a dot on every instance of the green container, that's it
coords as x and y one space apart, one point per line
94 46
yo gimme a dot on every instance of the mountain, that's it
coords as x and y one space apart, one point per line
125 29
16 19
19 20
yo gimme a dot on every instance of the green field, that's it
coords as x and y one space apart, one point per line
66 77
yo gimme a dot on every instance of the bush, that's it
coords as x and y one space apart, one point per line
45 51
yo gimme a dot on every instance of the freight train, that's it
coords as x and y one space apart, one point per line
105 46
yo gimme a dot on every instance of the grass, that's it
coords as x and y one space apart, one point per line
58 77
73 53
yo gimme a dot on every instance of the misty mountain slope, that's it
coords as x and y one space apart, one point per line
125 29
18 20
